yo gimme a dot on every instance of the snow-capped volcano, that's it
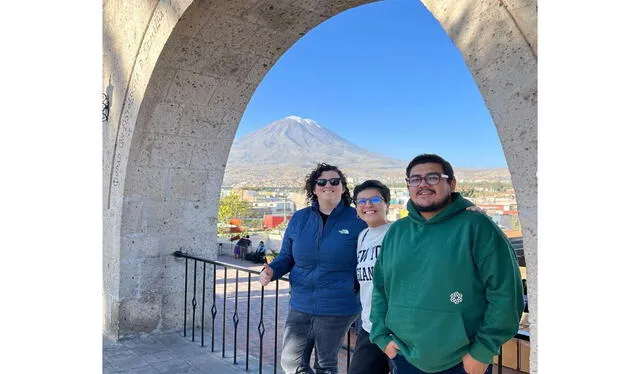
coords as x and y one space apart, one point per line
302 142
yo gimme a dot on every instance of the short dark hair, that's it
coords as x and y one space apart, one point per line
375 184
310 183
432 158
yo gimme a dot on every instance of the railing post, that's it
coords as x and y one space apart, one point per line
246 365
275 335
214 309
261 327
235 324
204 278
193 304
224 312
186 276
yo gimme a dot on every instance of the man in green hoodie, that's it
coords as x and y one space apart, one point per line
447 290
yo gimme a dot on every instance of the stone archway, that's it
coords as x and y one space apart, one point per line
179 74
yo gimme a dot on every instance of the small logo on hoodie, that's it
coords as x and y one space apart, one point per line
456 297
344 232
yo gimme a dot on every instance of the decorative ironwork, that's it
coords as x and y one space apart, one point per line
193 304
235 324
261 328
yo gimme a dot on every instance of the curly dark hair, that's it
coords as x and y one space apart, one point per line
310 183
374 184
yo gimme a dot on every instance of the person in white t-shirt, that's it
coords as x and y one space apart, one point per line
372 202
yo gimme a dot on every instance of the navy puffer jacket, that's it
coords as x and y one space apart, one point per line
321 261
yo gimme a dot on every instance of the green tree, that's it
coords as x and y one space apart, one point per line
231 206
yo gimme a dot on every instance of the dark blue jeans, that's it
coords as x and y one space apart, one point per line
402 366
303 332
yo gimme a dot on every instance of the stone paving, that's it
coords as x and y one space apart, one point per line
167 352
172 352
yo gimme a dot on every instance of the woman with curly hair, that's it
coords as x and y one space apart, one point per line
319 253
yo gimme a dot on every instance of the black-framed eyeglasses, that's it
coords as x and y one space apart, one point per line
431 179
372 200
323 182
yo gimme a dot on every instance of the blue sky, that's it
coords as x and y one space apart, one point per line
386 77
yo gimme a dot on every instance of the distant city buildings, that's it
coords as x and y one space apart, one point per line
272 207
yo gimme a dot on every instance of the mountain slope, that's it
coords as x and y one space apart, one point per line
300 142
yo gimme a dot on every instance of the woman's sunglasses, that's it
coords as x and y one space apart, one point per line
323 182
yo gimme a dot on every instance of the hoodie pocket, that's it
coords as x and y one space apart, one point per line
431 337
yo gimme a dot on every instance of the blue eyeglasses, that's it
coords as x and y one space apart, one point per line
372 200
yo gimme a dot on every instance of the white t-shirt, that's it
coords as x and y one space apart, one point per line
369 243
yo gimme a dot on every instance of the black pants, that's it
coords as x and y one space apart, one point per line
368 358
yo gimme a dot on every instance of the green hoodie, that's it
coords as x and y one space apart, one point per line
445 287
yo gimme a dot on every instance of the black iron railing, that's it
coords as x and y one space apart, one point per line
255 339
258 327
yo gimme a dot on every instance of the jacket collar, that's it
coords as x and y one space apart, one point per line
336 211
